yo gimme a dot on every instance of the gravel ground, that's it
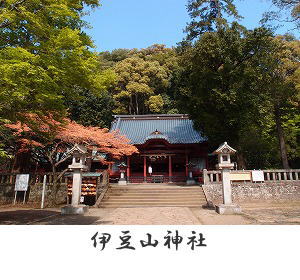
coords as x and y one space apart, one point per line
287 213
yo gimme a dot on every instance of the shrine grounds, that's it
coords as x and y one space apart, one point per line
263 213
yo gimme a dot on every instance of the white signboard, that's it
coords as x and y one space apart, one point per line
22 181
258 176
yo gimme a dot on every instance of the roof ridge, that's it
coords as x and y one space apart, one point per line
152 116
177 128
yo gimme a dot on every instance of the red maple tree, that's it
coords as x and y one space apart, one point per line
56 137
51 139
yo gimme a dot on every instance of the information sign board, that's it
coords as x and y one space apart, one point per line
22 181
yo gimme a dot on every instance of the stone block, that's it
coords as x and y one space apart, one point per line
122 182
190 182
72 210
228 209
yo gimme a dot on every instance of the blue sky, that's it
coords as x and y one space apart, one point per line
141 23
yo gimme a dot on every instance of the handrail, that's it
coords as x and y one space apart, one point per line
105 178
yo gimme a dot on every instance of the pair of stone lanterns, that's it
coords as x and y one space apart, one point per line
225 165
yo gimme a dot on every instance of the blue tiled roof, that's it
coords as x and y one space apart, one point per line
176 129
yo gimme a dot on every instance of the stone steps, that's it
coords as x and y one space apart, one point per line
143 205
153 196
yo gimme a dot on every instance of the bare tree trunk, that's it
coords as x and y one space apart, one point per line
241 162
281 139
137 105
130 105
54 189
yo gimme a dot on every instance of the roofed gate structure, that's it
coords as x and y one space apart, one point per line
169 148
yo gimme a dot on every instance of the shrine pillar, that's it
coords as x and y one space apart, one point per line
128 168
170 169
186 166
145 169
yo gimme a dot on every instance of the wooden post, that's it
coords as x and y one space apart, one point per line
186 165
145 169
43 192
128 168
24 197
170 169
206 162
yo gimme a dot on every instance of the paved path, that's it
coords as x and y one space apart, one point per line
255 213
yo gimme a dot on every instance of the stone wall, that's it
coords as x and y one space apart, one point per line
34 194
7 193
251 192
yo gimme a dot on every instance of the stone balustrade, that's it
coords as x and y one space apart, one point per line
276 175
211 177
282 175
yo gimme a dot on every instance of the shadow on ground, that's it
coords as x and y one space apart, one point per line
23 217
46 217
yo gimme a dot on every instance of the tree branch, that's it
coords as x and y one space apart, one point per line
62 173
7 23
61 161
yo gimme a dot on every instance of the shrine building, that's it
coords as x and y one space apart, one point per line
170 149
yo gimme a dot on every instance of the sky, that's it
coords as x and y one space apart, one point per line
142 23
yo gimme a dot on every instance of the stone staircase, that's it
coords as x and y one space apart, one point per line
153 196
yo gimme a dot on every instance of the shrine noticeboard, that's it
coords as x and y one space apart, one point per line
22 181
240 176
258 176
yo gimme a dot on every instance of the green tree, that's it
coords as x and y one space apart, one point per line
109 59
290 7
44 54
92 110
144 81
281 86
222 77
240 84
208 15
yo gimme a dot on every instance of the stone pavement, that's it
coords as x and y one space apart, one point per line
255 213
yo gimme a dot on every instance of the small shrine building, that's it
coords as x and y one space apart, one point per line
169 148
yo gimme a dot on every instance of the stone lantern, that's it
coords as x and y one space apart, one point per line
122 166
224 163
224 152
190 180
78 154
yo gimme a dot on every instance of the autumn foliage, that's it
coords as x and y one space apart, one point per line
44 131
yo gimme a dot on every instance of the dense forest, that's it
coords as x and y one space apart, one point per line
237 85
